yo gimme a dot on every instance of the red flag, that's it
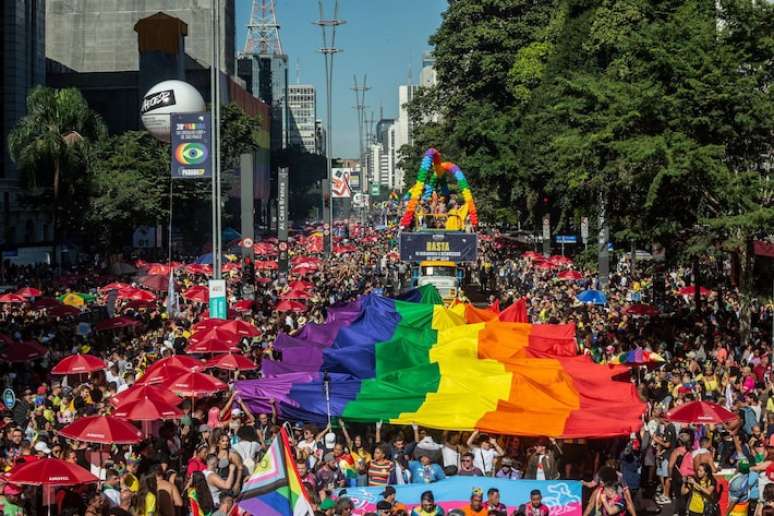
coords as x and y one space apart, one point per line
495 306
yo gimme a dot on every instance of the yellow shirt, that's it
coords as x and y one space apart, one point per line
150 504
696 504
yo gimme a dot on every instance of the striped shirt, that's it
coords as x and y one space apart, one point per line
379 474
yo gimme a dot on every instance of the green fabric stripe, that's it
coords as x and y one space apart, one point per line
430 295
404 374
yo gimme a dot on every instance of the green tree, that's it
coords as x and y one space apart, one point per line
471 116
48 145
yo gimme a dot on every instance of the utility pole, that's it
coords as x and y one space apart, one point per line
328 50
360 91
215 100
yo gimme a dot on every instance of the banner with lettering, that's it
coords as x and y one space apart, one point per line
562 497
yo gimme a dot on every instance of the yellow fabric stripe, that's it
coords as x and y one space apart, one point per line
469 388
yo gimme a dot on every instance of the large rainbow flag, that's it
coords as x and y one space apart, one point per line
274 488
403 362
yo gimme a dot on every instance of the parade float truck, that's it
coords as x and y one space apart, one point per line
437 229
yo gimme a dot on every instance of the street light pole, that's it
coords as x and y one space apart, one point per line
328 29
214 101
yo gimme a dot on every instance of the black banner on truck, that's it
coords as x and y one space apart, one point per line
447 247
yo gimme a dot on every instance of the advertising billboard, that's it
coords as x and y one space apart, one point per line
190 146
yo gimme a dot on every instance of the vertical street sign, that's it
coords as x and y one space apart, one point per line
282 219
218 306
190 145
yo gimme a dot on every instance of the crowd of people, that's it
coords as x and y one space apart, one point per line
196 464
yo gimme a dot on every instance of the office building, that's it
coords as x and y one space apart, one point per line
97 35
302 103
427 76
319 133
24 65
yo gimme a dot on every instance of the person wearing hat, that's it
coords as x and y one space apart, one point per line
329 476
42 449
427 506
423 471
476 506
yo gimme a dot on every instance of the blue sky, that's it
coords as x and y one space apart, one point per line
381 38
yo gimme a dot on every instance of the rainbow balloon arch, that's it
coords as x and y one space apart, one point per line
434 174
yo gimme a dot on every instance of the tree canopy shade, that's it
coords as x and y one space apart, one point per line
661 109
49 145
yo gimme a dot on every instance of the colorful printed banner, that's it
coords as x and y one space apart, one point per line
562 497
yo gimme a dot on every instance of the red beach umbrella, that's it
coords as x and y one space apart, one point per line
296 294
641 309
195 384
79 364
701 412
12 298
114 286
300 285
29 292
161 374
18 352
215 333
103 430
139 392
51 472
231 362
241 328
151 408
136 294
569 275
242 306
198 293
287 305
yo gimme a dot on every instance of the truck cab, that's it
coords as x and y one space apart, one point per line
445 276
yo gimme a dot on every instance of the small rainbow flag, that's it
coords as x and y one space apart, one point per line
274 488
347 466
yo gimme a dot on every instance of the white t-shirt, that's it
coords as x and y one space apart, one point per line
540 473
451 457
484 459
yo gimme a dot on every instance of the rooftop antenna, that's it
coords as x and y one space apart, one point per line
298 70
263 30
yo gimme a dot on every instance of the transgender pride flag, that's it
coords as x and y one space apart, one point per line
274 488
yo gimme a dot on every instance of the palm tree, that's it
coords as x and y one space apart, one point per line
50 140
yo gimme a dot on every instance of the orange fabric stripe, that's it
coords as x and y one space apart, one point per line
541 396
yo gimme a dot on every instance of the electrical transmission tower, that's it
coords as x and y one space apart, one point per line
263 30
